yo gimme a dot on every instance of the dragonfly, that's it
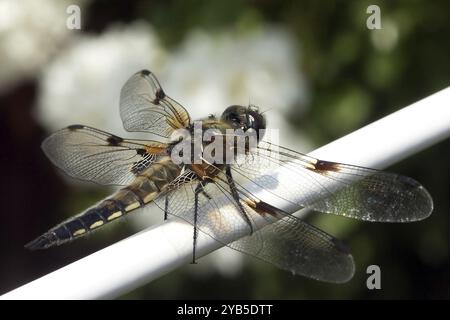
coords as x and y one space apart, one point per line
223 198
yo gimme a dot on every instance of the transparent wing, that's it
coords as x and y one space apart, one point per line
145 107
296 246
289 243
335 188
90 154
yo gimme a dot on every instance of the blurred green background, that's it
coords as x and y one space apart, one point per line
333 76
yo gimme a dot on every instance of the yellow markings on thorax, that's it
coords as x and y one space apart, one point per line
115 215
96 224
154 149
79 232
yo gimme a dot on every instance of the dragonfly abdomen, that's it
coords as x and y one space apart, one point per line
144 189
104 212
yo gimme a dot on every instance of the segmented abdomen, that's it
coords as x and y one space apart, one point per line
147 186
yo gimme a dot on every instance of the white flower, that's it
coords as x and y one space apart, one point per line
386 38
31 31
83 84
211 71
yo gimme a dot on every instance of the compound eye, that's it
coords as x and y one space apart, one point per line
235 119
236 116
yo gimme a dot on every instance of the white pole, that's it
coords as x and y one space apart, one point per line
148 255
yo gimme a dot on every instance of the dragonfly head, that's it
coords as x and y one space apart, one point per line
248 119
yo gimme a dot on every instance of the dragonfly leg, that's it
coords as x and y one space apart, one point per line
198 189
166 207
237 198
207 196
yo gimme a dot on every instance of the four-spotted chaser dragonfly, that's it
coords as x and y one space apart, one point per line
215 197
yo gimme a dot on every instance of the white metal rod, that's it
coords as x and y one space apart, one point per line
148 255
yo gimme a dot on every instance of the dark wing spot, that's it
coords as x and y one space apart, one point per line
74 127
327 166
159 94
264 208
114 140
145 72
141 152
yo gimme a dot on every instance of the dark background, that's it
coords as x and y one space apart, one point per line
343 70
